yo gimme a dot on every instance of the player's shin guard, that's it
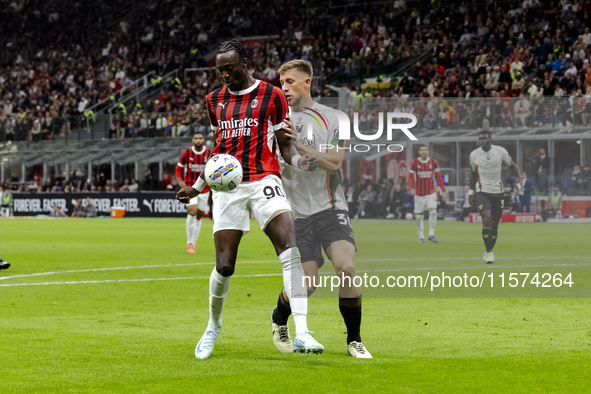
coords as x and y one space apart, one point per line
218 291
351 310
432 222
293 282
420 226
487 238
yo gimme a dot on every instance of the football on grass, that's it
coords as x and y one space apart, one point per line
223 173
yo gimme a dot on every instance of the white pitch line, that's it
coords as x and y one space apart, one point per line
275 262
269 275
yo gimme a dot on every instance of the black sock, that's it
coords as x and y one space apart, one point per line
283 310
351 310
493 239
487 237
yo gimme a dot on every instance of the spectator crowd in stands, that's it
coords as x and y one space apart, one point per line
60 58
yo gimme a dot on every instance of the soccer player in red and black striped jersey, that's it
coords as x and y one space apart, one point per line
421 179
246 116
190 167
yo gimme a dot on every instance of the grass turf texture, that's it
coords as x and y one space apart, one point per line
116 335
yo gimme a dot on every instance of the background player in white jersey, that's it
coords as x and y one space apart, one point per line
421 179
318 203
486 179
191 165
260 193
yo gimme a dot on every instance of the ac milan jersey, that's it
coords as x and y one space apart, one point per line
421 176
244 125
193 163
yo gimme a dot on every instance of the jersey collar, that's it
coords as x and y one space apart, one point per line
198 153
247 90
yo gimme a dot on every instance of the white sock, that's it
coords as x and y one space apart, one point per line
219 287
193 229
293 282
420 217
432 222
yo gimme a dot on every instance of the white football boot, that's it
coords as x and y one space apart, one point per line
357 350
281 337
205 346
305 343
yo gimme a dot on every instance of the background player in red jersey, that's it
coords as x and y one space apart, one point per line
246 115
421 179
192 164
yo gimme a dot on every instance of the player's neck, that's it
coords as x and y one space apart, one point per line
302 103
248 82
199 150
426 159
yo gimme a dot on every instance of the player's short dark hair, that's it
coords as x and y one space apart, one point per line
241 50
425 145
199 132
484 132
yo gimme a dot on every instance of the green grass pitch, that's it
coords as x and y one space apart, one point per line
116 305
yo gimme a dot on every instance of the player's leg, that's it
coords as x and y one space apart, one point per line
233 221
192 224
273 214
419 212
496 214
3 264
310 251
342 255
432 207
484 204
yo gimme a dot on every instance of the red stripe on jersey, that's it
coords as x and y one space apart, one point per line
194 164
424 176
242 125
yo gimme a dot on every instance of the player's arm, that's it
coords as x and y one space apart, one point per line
186 193
471 197
179 171
440 181
515 170
411 179
329 161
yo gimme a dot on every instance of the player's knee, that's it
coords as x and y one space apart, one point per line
346 271
199 215
311 290
225 270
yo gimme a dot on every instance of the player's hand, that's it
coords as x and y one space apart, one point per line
186 194
308 162
412 192
443 196
472 200
290 132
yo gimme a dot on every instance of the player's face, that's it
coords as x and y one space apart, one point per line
295 84
198 141
232 69
424 152
484 141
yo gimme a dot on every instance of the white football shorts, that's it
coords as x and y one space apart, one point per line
264 198
423 203
201 202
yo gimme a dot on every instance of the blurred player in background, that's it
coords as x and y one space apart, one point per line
192 163
247 115
486 179
421 180
316 194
